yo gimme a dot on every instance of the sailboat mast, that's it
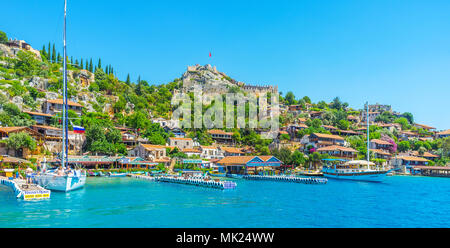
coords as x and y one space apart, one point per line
367 120
65 109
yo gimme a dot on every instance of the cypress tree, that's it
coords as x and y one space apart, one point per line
91 66
99 63
71 59
59 58
128 79
54 54
139 79
81 63
49 57
44 52
106 70
76 61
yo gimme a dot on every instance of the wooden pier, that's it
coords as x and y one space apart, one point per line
24 190
308 180
217 184
142 177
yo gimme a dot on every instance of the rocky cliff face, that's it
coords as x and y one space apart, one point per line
207 79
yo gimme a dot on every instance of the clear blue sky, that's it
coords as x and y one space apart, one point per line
386 51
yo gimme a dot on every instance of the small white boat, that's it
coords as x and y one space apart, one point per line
52 181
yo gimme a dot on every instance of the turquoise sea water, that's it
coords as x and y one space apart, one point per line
400 201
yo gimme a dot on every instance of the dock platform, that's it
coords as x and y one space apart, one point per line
308 180
25 191
142 177
198 182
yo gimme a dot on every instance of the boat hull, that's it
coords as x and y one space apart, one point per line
377 176
61 183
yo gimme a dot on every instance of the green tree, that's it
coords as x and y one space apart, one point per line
343 124
21 140
409 117
128 81
298 158
3 37
290 98
54 54
403 146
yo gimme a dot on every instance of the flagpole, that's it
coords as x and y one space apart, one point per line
65 109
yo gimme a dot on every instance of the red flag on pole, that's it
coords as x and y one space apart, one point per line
209 54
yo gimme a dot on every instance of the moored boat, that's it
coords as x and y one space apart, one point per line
355 170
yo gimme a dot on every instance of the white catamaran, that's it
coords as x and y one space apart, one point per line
357 169
63 178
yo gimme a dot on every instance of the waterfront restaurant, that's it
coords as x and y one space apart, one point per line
244 164
433 171
135 162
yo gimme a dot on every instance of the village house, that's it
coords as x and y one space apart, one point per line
329 128
339 151
248 164
426 155
315 114
443 134
352 118
192 152
318 140
231 151
301 120
292 129
149 152
390 126
52 137
406 164
381 154
428 128
381 145
131 139
345 132
372 116
6 131
56 106
40 118
181 143
221 137
406 135
211 152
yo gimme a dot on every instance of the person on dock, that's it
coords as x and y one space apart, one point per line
29 173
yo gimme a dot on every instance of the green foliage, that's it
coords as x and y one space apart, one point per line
409 117
343 124
314 126
403 146
290 98
404 122
26 64
386 117
3 37
20 140
155 134
12 116
104 141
